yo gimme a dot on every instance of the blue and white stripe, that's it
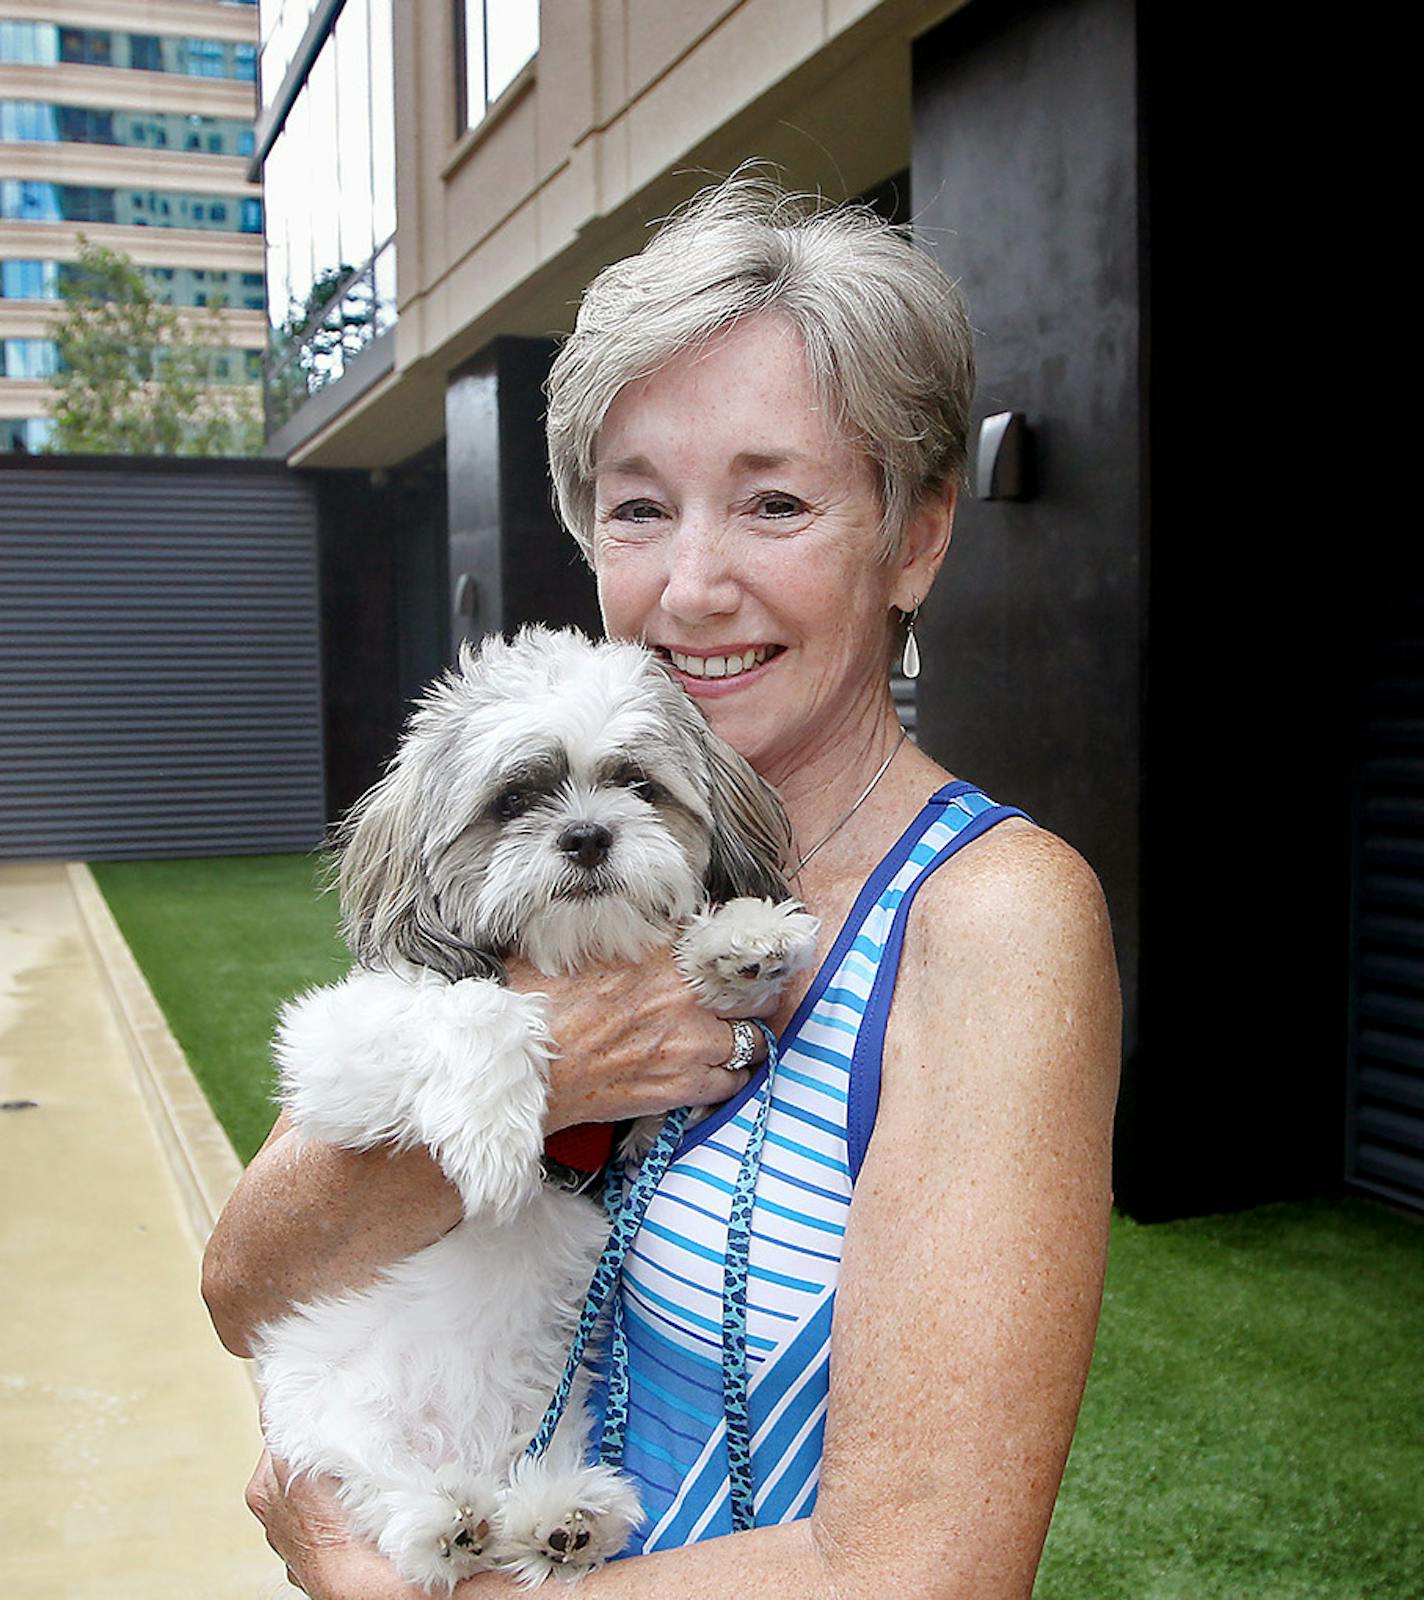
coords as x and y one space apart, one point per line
822 1110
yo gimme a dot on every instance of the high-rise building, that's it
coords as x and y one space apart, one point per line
130 122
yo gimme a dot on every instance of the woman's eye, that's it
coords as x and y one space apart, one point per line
636 511
780 505
511 804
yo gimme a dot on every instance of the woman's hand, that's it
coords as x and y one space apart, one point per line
631 1042
304 1525
309 1219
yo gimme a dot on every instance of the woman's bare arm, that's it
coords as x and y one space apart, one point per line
307 1219
970 1283
959 1358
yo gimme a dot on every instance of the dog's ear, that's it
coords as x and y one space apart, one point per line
751 837
388 911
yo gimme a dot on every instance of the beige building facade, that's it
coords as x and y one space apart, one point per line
129 122
622 110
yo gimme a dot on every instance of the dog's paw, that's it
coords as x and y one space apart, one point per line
562 1525
437 1537
739 957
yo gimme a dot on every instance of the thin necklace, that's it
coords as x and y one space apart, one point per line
826 838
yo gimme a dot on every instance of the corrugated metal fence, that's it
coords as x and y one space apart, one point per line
1385 1111
160 663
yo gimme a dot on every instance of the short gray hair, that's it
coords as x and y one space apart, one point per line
886 335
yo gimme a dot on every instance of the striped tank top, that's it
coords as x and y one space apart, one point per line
824 1098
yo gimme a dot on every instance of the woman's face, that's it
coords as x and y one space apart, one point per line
735 532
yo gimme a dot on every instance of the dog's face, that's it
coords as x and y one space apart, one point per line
557 798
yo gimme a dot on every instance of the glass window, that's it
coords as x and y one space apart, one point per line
24 121
500 36
511 39
25 433
27 200
282 24
161 130
203 58
47 44
29 358
329 191
29 280
145 52
353 146
91 47
29 44
23 200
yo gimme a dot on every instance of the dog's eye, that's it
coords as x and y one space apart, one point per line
511 804
637 780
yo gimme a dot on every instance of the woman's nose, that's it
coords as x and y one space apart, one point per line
701 579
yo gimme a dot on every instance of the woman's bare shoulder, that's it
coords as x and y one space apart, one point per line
1008 956
1016 877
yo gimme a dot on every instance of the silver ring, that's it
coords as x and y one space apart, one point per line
745 1038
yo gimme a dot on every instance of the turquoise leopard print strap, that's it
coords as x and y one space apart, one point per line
734 1307
626 1211
605 1277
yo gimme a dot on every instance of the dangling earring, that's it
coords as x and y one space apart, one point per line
910 660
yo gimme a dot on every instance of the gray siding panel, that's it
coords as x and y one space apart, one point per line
1385 1111
160 664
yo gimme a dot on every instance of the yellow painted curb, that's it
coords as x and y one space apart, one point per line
202 1159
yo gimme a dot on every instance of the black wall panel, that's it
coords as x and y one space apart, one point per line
1024 184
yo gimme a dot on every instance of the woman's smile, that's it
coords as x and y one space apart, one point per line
719 670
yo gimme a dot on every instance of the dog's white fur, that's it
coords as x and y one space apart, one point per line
419 1392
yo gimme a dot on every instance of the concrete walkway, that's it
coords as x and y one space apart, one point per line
126 1432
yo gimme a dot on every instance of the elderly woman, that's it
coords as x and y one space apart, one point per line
757 430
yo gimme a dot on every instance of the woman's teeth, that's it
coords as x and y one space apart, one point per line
720 666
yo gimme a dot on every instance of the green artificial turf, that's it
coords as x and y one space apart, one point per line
1253 1427
223 942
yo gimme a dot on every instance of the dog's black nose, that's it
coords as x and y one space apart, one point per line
586 842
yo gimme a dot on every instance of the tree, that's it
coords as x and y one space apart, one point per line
132 379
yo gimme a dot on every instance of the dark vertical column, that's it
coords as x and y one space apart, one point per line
383 611
361 704
510 561
1253 545
472 465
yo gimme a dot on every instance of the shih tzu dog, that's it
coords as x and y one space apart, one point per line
564 801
